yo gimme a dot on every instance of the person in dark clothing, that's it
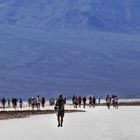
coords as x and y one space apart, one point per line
84 102
59 107
90 101
73 99
3 101
20 103
15 100
79 101
108 101
43 102
29 102
94 101
14 103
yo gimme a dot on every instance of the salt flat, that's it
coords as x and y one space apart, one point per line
98 124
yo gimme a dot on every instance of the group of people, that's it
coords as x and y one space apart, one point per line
36 102
60 102
13 101
51 101
91 101
78 101
112 100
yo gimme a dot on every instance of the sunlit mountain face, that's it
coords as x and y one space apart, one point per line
88 47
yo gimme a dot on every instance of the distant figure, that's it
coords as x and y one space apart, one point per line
29 102
79 101
20 103
3 101
33 101
113 100
73 99
38 101
116 102
84 102
99 101
59 107
8 103
90 101
75 102
43 102
108 101
51 101
94 101
14 103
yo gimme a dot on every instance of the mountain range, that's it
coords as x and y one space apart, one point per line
82 47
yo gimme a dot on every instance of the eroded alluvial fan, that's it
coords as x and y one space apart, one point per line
46 47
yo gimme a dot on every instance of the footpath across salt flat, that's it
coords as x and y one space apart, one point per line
97 124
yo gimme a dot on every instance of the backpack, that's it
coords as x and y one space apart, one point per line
60 104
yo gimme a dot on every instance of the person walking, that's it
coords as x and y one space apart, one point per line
94 101
3 101
116 102
20 103
79 101
8 103
90 101
84 102
38 102
108 101
43 102
59 107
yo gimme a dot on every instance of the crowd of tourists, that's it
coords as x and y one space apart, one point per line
77 101
59 103
34 102
112 100
92 101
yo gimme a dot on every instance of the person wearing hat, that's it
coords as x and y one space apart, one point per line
59 107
